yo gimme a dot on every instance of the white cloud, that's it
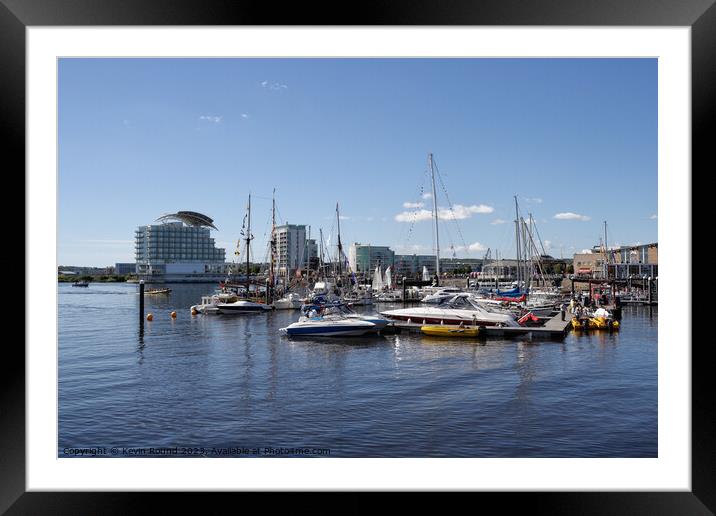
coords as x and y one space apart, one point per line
547 244
273 85
413 205
498 221
244 115
459 212
475 247
571 216
536 200
211 118
653 217
427 195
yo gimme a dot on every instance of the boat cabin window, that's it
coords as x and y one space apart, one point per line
458 302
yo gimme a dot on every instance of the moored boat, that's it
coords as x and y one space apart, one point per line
329 321
291 301
242 306
158 291
440 295
460 309
450 331
594 323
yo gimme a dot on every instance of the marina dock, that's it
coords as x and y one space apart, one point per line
553 328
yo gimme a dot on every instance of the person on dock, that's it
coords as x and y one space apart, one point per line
562 309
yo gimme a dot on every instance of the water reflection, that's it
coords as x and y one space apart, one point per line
235 380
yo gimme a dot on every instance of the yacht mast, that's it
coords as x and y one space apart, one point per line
606 252
435 218
308 254
248 247
273 243
517 241
340 246
320 254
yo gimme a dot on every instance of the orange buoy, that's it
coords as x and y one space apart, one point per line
150 317
193 311
174 315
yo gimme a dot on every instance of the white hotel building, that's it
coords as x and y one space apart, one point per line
180 249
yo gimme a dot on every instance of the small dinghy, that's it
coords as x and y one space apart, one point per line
450 331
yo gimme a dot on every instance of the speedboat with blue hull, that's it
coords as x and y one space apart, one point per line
326 327
327 307
333 320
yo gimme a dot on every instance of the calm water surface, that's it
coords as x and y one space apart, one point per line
234 384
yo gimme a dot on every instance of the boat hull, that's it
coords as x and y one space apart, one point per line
337 330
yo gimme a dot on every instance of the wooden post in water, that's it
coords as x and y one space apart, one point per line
404 296
141 303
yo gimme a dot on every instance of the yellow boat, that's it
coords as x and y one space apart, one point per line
450 331
595 323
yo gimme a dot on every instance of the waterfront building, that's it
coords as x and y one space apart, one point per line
500 269
312 254
364 258
122 269
621 262
507 269
634 261
411 265
179 249
292 247
450 265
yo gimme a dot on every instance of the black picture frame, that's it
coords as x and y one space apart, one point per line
16 15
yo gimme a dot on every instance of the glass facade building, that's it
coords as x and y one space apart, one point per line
411 265
363 259
176 248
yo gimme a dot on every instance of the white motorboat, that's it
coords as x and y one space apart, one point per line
460 309
242 306
329 327
341 309
390 296
443 293
291 301
209 303
334 320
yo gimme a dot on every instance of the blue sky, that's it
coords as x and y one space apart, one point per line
574 139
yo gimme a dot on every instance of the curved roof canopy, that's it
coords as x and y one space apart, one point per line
190 218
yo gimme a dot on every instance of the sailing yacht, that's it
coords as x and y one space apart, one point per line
242 306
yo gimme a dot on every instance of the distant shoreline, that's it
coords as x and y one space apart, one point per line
108 278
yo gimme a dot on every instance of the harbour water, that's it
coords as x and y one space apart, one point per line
233 386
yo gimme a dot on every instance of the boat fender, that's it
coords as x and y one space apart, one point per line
173 315
150 317
193 311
